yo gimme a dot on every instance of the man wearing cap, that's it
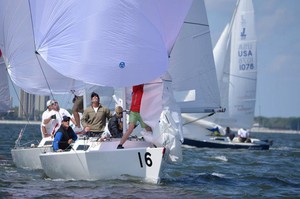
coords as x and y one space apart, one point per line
46 126
64 136
115 124
94 117
54 117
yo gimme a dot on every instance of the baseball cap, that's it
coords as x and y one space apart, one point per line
50 102
66 118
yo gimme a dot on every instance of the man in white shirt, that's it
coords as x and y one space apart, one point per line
46 125
244 135
54 117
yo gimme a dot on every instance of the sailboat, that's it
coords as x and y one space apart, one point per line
236 67
87 39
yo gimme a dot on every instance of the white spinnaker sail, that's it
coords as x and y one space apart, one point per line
192 65
110 43
4 88
99 42
27 69
241 77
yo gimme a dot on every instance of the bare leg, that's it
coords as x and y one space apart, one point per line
77 119
127 134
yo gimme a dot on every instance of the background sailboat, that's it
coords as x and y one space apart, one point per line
193 71
236 68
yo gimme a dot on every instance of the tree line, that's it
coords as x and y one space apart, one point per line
290 123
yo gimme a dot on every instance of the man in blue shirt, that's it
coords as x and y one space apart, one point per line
64 136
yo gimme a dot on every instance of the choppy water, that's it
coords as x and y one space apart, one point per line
204 173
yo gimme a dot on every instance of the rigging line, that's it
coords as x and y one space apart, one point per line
36 52
194 23
18 96
78 156
200 118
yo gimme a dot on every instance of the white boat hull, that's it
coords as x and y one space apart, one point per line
103 161
28 157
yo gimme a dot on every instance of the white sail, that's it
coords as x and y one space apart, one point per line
192 64
98 44
26 68
191 77
220 51
240 69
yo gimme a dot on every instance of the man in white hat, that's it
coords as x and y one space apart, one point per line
54 117
46 128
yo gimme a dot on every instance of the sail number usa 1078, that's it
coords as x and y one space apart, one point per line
246 56
145 160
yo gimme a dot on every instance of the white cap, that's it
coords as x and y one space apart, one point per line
50 102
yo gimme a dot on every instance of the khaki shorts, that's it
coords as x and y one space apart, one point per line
78 104
134 117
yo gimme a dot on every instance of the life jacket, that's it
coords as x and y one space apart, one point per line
67 134
115 127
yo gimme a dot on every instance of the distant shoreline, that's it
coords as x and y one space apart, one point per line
266 130
254 129
19 122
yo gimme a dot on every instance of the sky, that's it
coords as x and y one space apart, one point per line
278 52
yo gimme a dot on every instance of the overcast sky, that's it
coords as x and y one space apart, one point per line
278 51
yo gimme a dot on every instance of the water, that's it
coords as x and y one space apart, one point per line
204 173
